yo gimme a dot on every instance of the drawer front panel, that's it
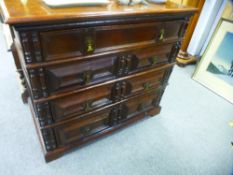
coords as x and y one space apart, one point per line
92 71
79 129
83 41
94 98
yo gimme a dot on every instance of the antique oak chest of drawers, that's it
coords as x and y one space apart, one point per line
88 71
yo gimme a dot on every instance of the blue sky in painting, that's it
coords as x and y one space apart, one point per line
224 54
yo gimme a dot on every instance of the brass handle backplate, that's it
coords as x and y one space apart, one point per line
154 60
162 33
88 41
147 85
87 106
87 76
85 130
89 45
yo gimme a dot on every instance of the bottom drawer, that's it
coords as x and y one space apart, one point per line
78 129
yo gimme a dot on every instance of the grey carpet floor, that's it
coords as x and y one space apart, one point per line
191 136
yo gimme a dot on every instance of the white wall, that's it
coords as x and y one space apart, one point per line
210 15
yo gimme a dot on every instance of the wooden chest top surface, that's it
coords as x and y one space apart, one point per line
34 11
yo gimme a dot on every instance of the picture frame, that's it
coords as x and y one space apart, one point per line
215 70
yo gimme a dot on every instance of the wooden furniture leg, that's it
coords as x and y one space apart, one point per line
24 93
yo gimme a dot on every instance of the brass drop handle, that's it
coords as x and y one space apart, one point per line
87 76
161 36
154 60
87 106
90 45
85 130
89 39
147 86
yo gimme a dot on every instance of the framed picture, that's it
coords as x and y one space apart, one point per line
215 70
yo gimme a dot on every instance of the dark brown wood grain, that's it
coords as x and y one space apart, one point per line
60 150
34 11
92 86
89 71
103 95
74 75
104 38
79 129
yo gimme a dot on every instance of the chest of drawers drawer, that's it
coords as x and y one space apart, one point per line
83 41
79 129
106 94
88 72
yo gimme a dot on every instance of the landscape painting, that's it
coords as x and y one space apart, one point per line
215 69
221 63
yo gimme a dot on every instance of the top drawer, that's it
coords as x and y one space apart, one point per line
61 44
